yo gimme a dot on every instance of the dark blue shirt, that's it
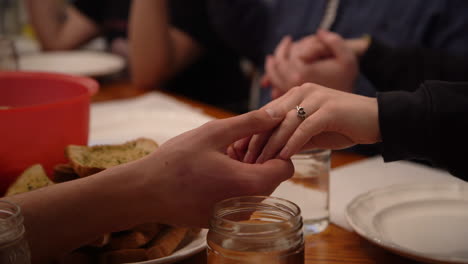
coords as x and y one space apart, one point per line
253 28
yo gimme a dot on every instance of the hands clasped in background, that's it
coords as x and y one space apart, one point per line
325 59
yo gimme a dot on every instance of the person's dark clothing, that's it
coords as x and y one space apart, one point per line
253 28
110 15
430 123
390 69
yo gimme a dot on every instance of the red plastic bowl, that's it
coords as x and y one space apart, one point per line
40 114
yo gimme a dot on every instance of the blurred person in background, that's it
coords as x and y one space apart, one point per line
62 26
253 29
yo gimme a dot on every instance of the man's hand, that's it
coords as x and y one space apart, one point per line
192 172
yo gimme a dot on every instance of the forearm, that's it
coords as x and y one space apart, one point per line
152 54
428 124
65 216
47 17
59 26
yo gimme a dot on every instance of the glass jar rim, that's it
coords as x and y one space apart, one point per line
295 215
14 213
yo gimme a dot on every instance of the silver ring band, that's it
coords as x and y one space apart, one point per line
301 113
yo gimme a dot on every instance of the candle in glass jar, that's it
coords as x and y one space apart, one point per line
256 229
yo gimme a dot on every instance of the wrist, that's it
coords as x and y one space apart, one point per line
128 195
375 120
147 192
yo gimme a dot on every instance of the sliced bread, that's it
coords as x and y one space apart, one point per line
90 160
32 178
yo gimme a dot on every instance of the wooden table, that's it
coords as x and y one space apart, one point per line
334 245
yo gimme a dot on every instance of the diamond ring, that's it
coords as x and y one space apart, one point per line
300 112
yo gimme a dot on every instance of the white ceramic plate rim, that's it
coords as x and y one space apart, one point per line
390 245
113 63
198 244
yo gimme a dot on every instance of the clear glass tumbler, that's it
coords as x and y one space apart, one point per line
309 188
312 173
13 245
256 229
8 55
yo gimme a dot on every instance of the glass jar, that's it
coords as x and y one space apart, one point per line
8 55
13 245
255 229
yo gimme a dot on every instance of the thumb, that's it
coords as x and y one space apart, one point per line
269 175
232 129
336 44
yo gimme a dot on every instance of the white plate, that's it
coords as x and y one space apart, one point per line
427 222
198 244
80 62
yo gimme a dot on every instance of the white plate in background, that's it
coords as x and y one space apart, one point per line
427 222
77 62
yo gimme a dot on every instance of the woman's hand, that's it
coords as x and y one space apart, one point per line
334 120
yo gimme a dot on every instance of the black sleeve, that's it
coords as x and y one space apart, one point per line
390 69
192 18
430 124
91 9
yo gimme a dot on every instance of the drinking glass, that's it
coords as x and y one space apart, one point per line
309 188
8 55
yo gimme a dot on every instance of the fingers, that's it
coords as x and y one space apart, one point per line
278 66
275 76
276 93
255 146
266 177
311 49
286 129
337 46
283 50
281 107
242 144
311 126
231 152
226 131
279 137
240 148
274 171
265 81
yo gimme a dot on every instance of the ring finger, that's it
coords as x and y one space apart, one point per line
287 128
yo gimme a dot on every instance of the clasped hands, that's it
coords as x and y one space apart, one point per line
324 58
